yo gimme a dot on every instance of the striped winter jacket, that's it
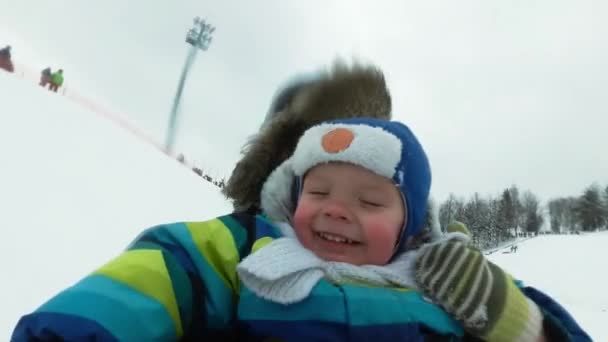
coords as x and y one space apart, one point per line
178 282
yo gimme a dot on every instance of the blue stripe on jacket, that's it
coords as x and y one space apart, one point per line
35 327
108 303
564 319
299 331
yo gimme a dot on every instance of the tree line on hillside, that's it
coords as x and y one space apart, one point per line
494 221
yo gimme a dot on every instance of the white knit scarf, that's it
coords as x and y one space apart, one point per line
285 272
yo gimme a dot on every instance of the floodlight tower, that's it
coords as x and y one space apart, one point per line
199 38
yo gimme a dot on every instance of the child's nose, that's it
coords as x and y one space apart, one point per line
337 211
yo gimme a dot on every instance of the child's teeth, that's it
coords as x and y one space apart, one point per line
330 237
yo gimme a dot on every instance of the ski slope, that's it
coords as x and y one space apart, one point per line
75 189
570 268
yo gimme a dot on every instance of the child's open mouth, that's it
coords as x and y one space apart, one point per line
336 238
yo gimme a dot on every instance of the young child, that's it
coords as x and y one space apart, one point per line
337 255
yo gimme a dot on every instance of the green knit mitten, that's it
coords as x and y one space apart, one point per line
456 226
477 293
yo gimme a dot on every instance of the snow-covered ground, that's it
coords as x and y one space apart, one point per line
570 268
75 189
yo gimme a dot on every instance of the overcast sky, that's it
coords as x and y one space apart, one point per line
499 93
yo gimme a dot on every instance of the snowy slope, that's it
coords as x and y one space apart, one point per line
75 189
572 269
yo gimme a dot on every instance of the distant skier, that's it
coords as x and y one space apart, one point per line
6 51
56 80
45 77
5 59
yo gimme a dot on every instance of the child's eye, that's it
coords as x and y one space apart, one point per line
318 193
371 203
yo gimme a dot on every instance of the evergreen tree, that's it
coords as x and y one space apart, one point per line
477 218
570 219
429 220
557 214
589 209
450 210
506 212
533 218
497 234
518 210
605 195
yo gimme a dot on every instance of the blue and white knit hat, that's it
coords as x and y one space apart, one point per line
387 148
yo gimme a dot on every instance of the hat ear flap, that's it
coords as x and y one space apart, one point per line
277 196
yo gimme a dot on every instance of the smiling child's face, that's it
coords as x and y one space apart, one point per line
349 214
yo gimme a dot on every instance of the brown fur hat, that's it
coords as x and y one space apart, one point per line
342 92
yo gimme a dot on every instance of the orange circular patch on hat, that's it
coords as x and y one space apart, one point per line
337 140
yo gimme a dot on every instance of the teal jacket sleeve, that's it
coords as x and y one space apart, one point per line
174 282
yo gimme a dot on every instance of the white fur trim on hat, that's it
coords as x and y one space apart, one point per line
372 148
275 198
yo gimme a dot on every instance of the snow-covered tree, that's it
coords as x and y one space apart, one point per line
557 208
477 216
450 210
590 210
533 218
605 195
430 216
506 219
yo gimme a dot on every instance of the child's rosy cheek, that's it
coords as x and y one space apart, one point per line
385 236
381 242
301 217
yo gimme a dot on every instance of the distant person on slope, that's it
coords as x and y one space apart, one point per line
5 59
45 77
6 51
56 80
